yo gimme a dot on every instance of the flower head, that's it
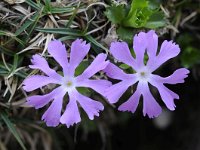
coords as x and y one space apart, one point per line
67 83
144 43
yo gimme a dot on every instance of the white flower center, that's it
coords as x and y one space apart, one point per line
69 83
143 74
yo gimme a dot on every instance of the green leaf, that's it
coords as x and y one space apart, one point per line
13 36
31 29
84 91
47 6
12 129
144 13
138 14
94 42
64 31
64 38
33 4
190 57
16 61
124 66
153 4
73 16
4 71
126 34
115 13
26 24
83 65
156 20
60 10
6 51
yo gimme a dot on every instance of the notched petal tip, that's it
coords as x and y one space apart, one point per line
71 115
53 113
121 52
152 111
55 42
39 101
132 103
52 122
38 62
81 42
177 77
90 106
35 58
36 81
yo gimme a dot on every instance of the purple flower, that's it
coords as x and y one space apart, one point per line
144 42
66 83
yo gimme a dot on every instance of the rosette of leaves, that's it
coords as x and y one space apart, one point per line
139 14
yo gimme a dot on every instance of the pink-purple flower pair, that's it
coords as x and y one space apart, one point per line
143 42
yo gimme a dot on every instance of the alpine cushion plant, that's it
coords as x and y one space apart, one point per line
144 43
67 83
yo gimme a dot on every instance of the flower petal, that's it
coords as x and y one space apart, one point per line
98 64
121 52
168 50
99 86
166 95
36 81
40 63
132 103
139 46
79 50
91 107
177 77
53 113
114 92
174 95
150 106
71 114
115 72
39 101
152 46
59 53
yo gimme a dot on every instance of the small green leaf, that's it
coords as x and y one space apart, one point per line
115 13
60 10
64 31
12 129
138 14
33 4
153 4
190 57
6 51
124 66
26 24
69 23
94 42
156 20
64 38
32 27
13 36
4 71
83 65
84 91
126 34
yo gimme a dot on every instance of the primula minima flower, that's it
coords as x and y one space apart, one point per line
144 43
66 83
